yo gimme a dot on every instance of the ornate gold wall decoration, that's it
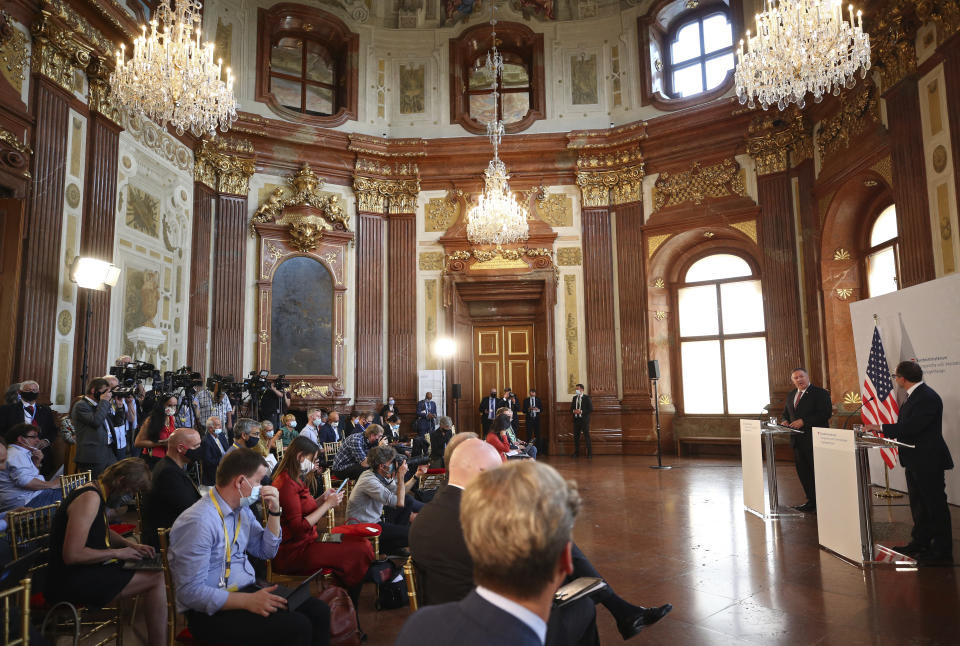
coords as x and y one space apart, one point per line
884 168
654 242
150 135
303 190
659 315
747 228
99 96
779 140
14 154
218 164
664 399
306 232
858 110
264 337
659 284
431 261
430 320
569 256
73 195
399 196
699 183
64 322
843 293
13 56
56 52
841 254
603 188
441 212
556 209
939 158
852 398
304 390
570 331
338 339
708 234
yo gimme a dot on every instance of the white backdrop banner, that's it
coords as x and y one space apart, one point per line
920 323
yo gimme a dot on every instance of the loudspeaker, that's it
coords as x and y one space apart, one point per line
653 369
456 391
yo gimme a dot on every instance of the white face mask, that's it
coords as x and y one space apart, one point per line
269 434
306 466
169 410
293 424
218 430
579 392
390 402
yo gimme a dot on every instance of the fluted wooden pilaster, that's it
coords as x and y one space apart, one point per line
402 312
229 262
369 366
203 198
598 301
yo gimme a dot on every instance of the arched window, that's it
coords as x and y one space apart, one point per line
882 256
701 52
513 87
307 68
723 344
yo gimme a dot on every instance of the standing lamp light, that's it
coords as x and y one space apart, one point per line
445 347
91 273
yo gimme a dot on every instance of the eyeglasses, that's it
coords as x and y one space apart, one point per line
31 437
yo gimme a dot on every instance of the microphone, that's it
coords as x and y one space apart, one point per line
859 408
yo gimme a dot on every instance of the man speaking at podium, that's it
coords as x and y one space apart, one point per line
920 423
807 407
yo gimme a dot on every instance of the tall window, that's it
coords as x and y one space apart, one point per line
513 87
303 76
723 345
883 257
701 53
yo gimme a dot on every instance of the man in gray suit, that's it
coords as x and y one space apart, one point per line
88 415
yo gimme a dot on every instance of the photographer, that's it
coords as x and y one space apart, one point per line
122 422
351 459
89 414
383 490
213 402
275 400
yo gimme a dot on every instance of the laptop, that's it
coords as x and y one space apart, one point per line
153 563
296 596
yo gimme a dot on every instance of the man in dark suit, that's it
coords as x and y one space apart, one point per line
171 489
89 415
580 408
920 423
445 567
330 431
808 407
426 414
439 440
26 410
214 446
390 408
531 413
488 409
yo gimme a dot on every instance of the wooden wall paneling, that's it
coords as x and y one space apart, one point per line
951 72
11 243
402 312
909 183
96 240
369 334
809 220
781 300
229 266
203 198
42 264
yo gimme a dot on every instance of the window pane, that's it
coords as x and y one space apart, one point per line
515 75
687 44
885 228
482 108
698 310
319 100
515 106
742 306
480 79
882 272
718 267
286 56
716 33
688 81
318 67
745 361
286 92
717 69
702 387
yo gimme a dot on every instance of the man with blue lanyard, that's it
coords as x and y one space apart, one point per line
214 582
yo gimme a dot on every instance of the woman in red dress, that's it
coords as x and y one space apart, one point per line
497 437
157 428
300 552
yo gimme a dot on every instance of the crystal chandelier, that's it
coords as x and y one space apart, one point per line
801 46
498 218
172 77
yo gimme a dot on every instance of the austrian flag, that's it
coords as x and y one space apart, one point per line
879 404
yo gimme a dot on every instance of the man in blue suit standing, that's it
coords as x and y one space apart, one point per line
521 550
920 424
426 414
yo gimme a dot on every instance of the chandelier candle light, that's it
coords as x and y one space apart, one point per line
172 77
498 218
801 46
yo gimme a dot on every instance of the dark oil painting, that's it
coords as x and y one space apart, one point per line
301 319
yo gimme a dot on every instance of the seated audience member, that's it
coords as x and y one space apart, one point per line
445 566
6 551
246 435
497 436
171 489
382 489
516 444
288 432
215 583
351 460
369 420
86 556
314 421
25 410
214 446
357 423
392 429
21 484
301 551
439 440
521 552
89 415
330 431
158 426
388 409
268 439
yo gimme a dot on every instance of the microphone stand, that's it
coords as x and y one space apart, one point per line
656 404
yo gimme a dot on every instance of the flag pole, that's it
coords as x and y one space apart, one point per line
887 492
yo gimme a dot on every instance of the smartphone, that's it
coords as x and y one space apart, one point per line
342 485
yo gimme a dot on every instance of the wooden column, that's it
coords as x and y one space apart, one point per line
951 72
42 264
96 240
402 312
369 334
810 256
909 183
781 300
229 262
199 324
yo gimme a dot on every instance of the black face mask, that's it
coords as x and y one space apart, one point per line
252 442
193 455
29 396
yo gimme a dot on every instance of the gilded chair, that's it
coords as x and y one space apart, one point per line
16 597
413 584
74 481
30 529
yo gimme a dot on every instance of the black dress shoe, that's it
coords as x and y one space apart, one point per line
910 549
806 507
630 626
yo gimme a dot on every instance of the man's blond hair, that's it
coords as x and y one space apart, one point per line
516 540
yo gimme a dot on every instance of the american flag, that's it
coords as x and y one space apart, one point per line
879 404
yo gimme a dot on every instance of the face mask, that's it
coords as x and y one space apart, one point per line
269 434
218 430
252 442
29 396
169 410
293 424
193 455
246 501
306 466
579 392
394 428
390 402
493 394
391 469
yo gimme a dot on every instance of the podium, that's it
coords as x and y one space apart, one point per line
756 442
844 505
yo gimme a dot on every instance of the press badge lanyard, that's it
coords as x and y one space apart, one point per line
226 539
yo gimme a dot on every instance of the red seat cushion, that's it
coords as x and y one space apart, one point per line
38 601
429 471
123 528
360 529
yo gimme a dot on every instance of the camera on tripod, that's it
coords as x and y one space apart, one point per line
183 378
134 373
256 382
281 383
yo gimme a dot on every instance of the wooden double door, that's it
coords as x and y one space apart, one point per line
503 357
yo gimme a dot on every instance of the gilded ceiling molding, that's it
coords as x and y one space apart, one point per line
385 177
606 187
699 183
858 110
100 98
306 228
57 53
14 154
609 164
80 26
779 140
398 196
13 52
223 165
